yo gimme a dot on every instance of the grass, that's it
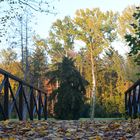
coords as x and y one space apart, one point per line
81 119
102 119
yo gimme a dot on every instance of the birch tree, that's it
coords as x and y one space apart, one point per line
96 29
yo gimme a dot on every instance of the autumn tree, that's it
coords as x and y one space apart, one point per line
128 30
112 82
39 67
9 62
61 39
125 19
96 29
115 81
8 56
132 69
133 39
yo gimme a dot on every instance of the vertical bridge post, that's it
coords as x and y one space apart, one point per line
31 104
21 102
6 97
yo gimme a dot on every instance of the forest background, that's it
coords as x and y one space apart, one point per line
93 31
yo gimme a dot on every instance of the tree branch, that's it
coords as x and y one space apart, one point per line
37 10
25 3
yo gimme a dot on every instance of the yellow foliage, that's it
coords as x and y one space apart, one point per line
14 69
125 20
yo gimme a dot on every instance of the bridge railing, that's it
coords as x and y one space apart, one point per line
132 100
17 96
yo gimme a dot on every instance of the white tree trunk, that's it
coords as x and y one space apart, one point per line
93 95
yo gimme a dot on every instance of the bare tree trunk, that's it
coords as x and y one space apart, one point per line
22 47
93 86
26 74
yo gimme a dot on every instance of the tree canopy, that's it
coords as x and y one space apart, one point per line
133 39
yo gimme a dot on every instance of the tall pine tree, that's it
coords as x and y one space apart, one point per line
69 95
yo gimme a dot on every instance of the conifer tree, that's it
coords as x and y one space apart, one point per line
70 93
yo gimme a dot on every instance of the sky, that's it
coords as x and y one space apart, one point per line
69 7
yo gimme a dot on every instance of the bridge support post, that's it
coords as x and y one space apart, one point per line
39 106
6 98
21 102
126 104
45 107
31 105
134 104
